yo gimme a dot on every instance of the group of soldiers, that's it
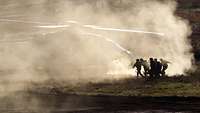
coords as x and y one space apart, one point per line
152 69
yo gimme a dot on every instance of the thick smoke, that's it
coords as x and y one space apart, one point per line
88 40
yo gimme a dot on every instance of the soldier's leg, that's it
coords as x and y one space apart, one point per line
163 71
138 73
150 74
146 72
141 74
154 73
163 74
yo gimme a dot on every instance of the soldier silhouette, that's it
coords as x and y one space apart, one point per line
164 66
138 66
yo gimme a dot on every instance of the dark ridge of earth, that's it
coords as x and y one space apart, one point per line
70 103
115 103
188 1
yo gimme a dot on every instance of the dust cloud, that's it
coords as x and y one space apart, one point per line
87 40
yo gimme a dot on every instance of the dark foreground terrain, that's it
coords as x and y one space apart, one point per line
42 103
177 94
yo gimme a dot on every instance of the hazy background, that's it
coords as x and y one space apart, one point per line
53 39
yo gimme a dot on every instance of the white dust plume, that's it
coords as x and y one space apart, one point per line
89 40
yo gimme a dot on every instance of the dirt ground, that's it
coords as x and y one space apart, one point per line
40 103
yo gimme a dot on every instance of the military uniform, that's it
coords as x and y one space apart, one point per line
164 66
138 66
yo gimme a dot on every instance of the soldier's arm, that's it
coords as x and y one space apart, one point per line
134 65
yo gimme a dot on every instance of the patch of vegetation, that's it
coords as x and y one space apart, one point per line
167 86
189 4
131 87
